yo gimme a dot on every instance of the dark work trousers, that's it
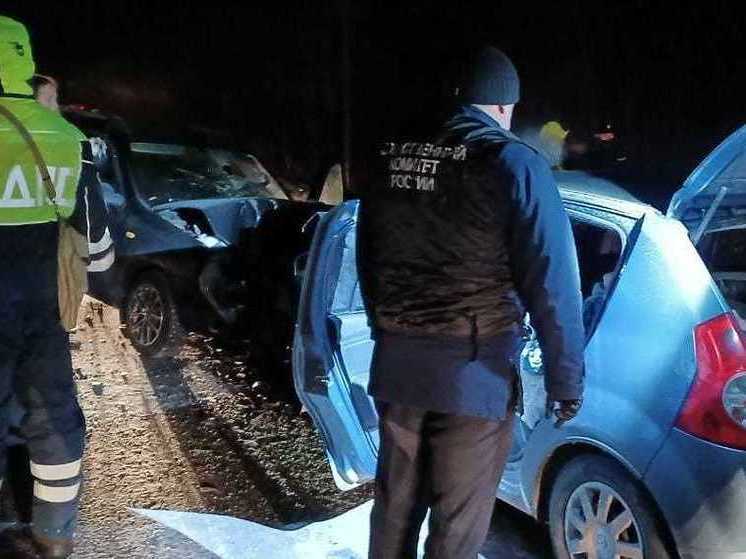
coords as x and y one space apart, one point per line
447 463
36 369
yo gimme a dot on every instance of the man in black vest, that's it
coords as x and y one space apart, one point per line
460 235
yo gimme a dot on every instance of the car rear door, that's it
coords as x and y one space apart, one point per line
713 197
333 350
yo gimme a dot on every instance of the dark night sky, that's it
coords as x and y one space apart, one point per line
667 75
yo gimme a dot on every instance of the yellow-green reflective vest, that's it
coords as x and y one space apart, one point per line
23 197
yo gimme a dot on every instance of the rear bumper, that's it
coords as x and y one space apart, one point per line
701 490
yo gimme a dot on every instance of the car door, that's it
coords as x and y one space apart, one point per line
712 205
333 350
332 357
713 197
531 370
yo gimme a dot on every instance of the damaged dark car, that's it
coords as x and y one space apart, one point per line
206 240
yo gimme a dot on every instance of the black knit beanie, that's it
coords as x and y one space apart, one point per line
491 79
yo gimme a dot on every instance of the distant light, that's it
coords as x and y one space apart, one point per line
80 107
605 136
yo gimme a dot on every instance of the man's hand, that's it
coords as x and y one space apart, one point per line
563 410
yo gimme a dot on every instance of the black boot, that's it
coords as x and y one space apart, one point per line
53 548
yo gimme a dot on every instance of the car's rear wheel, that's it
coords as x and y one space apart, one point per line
150 317
598 511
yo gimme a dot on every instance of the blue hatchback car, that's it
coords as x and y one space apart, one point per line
654 466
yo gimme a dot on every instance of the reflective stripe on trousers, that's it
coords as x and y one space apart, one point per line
56 497
56 483
53 494
55 472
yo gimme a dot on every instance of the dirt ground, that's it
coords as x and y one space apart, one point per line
203 431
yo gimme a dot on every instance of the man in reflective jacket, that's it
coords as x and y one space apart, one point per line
460 235
35 364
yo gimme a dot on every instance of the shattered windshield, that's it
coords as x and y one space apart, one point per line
172 173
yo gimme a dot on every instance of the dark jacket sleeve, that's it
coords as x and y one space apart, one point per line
365 274
90 217
545 269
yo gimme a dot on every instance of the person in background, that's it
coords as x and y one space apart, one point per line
35 362
46 91
459 235
552 143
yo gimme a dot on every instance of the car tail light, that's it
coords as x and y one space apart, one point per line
734 399
716 407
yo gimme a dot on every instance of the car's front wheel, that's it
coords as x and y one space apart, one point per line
151 319
598 511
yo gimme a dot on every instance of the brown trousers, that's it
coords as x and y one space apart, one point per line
446 463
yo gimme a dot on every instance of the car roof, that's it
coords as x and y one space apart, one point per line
589 190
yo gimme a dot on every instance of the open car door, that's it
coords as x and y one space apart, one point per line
713 197
333 349
712 205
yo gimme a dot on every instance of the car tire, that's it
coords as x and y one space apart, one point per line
151 320
600 487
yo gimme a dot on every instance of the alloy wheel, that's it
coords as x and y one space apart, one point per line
599 524
146 315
